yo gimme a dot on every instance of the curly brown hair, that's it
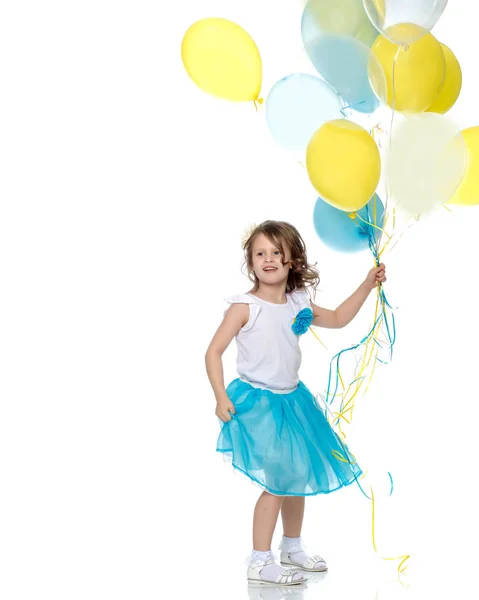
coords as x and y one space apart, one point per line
281 234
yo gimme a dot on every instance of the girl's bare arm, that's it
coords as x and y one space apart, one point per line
236 316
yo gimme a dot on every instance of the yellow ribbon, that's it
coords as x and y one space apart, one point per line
313 332
404 558
316 336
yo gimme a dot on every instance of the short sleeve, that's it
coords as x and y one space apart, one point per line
254 308
301 299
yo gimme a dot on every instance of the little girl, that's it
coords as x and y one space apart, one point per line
272 428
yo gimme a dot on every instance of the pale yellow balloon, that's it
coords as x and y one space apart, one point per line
222 59
419 72
426 162
343 164
341 17
468 191
452 84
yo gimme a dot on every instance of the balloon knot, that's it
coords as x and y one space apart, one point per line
258 101
352 215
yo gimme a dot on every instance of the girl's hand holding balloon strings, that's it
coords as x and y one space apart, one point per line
376 275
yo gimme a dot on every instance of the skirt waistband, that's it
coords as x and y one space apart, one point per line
263 387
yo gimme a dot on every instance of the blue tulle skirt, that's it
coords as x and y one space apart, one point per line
284 443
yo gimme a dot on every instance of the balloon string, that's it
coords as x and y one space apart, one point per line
394 237
398 237
349 108
404 558
348 395
372 345
393 112
347 457
369 223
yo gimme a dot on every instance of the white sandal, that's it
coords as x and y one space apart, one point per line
285 578
308 565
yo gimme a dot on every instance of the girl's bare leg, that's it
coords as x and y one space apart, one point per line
266 514
292 513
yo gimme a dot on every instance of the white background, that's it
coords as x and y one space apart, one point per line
124 192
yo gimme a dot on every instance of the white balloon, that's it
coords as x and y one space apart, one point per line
404 21
425 163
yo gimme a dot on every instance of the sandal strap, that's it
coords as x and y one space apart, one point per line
290 571
286 576
312 560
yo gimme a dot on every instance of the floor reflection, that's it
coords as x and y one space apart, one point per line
298 592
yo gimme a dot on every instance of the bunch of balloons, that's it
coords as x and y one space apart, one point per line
372 59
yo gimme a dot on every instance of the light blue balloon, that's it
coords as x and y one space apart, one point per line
337 230
347 64
297 106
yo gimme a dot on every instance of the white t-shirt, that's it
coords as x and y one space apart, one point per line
269 355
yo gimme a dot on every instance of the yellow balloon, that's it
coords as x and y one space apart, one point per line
419 73
343 164
222 59
452 85
468 191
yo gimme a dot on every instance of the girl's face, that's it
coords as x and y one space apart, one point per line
267 261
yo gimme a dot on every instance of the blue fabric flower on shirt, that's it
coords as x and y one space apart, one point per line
302 321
